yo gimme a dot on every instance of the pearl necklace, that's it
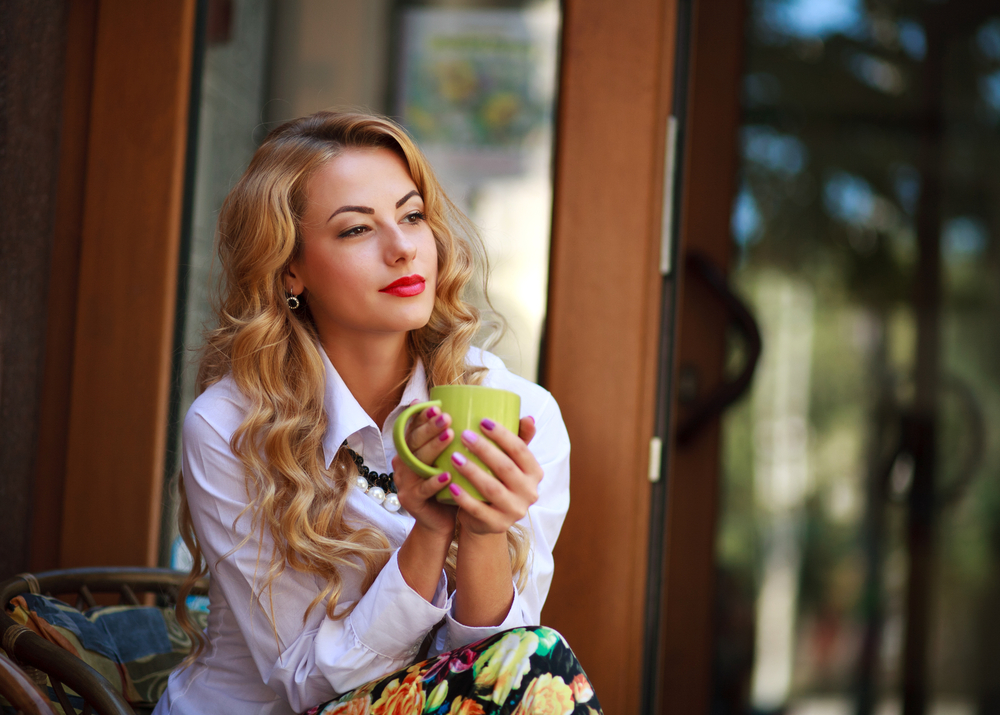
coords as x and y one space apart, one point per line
379 487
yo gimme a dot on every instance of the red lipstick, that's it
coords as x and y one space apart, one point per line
406 287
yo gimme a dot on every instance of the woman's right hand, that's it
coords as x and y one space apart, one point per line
428 434
423 553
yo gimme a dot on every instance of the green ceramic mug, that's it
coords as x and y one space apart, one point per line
468 405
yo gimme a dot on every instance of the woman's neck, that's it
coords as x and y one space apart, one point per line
374 369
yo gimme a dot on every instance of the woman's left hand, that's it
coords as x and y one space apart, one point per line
513 486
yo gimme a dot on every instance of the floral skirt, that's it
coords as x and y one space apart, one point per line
524 671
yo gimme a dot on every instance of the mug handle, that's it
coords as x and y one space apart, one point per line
403 449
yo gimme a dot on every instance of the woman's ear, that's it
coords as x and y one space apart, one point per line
293 284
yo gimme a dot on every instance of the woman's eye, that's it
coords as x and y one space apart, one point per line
353 231
414 217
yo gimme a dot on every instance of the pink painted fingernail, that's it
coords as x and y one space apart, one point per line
445 436
432 412
439 421
488 424
444 477
458 459
454 489
532 419
470 437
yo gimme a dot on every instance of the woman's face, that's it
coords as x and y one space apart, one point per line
368 260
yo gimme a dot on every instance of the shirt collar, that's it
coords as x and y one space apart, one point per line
344 414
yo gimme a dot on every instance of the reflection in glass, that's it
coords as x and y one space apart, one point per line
858 553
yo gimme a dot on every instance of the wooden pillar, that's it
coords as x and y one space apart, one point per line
127 282
64 273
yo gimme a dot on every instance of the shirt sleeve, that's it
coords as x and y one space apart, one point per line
309 660
543 523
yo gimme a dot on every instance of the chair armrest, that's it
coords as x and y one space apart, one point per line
25 646
21 691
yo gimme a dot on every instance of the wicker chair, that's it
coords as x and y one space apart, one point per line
21 691
31 651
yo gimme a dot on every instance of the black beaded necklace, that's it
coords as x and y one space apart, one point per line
374 479
380 487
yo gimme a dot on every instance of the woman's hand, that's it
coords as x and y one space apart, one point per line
427 434
513 486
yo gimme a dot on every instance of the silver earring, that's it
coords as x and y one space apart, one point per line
293 302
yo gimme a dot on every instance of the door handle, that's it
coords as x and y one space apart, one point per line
704 410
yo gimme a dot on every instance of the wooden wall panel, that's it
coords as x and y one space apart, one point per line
32 36
127 284
603 324
693 487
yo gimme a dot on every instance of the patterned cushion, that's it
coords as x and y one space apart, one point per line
134 647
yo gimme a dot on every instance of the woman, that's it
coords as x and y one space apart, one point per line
342 304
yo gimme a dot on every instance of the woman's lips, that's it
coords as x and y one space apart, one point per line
406 287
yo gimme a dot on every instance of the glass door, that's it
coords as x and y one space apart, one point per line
857 555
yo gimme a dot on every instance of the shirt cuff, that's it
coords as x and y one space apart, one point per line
458 634
392 619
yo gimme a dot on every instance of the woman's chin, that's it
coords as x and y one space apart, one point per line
409 318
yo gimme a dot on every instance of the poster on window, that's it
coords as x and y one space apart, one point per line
476 87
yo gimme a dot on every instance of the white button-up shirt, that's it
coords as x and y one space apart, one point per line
253 664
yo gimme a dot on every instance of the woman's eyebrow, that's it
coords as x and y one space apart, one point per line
366 210
356 209
407 198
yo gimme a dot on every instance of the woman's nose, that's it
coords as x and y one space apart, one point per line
400 247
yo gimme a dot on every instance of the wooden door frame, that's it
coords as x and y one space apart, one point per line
604 324
710 171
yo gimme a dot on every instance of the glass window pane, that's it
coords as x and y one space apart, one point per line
474 82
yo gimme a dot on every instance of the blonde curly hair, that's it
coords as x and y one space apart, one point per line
273 356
